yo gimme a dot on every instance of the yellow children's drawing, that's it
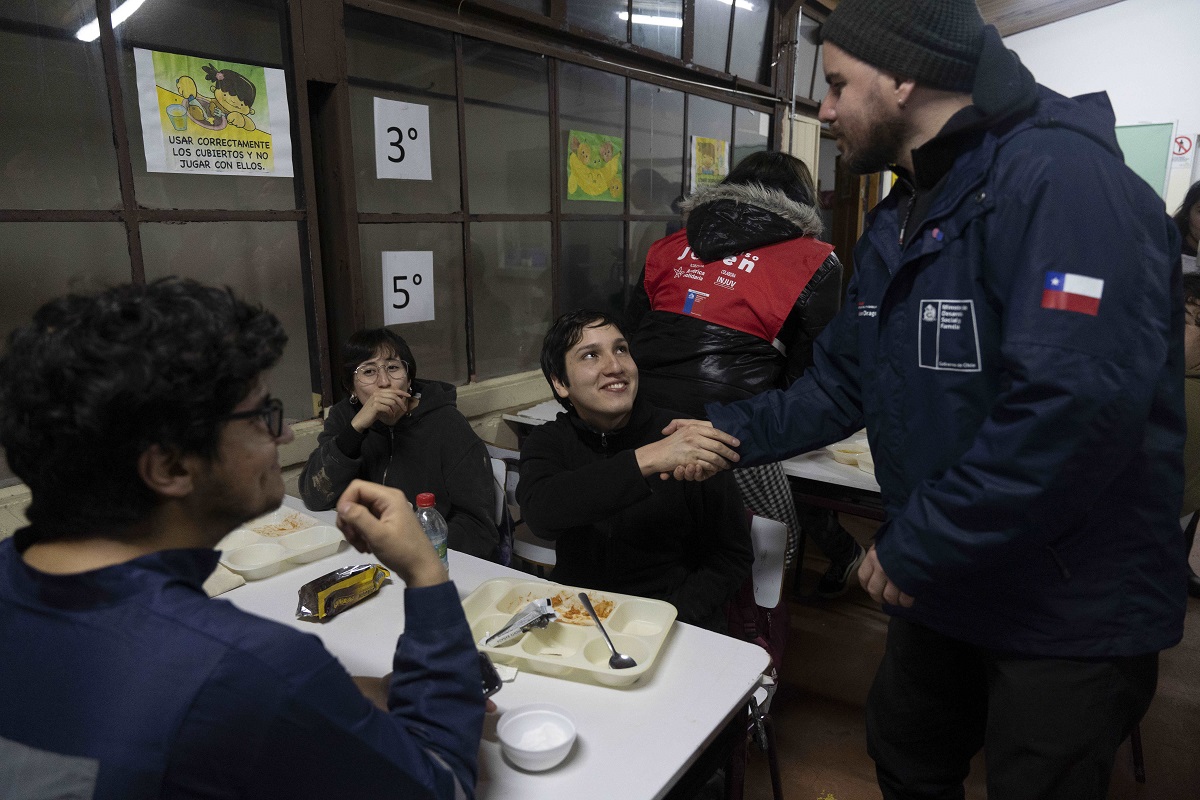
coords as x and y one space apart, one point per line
594 167
710 162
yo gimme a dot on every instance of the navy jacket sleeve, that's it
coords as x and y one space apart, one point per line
822 407
305 730
1077 389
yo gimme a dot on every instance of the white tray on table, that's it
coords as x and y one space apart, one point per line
573 649
277 541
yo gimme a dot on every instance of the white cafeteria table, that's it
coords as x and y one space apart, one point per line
634 742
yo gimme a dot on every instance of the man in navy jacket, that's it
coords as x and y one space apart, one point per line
1012 340
140 420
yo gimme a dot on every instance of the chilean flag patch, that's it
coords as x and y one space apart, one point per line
1067 291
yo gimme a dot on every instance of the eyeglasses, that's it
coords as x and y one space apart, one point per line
369 373
271 412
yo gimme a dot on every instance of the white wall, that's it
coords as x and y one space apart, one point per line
1144 53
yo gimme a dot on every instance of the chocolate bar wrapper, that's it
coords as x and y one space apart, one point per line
336 591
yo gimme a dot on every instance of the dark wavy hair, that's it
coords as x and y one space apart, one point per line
93 381
364 344
772 169
1181 216
564 334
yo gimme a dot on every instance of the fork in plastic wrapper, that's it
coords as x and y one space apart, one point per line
537 614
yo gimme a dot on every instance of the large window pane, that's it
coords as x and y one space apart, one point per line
747 57
710 118
641 236
658 25
440 345
245 31
536 6
712 33
604 17
508 129
416 64
713 120
42 260
592 101
260 261
820 87
512 292
56 142
655 149
751 132
806 57
593 266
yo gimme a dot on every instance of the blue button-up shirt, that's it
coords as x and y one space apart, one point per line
132 675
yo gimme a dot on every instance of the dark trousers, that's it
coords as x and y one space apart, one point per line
1049 727
822 526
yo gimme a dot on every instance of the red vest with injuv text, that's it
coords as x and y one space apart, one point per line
752 292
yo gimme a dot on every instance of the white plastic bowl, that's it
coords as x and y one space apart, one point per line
536 736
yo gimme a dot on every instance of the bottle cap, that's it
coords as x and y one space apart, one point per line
425 500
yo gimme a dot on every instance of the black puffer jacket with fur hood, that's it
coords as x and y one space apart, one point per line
684 361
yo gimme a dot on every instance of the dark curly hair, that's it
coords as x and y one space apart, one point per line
564 334
93 381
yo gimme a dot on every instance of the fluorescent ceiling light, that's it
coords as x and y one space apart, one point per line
739 4
91 31
646 19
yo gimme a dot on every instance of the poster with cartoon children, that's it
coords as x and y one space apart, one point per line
594 167
710 162
211 116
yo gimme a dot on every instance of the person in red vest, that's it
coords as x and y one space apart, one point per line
729 307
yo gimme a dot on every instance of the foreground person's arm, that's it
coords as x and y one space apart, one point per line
303 727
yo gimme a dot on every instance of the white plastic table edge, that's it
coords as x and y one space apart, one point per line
699 683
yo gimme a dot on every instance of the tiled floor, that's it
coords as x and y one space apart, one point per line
831 659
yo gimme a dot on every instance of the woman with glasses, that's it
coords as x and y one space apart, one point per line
401 432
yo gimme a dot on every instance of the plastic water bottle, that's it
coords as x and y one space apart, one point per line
434 526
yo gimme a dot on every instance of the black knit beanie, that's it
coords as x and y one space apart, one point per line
935 42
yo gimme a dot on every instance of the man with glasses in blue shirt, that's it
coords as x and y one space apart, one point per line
141 421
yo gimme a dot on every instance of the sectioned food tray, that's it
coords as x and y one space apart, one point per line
277 541
570 647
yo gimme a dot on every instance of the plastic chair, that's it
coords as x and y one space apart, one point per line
768 537
504 520
539 553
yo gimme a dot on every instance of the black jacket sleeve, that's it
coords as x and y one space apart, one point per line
554 498
329 470
815 308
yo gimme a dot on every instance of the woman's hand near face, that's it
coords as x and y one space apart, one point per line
387 405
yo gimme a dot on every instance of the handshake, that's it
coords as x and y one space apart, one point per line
692 450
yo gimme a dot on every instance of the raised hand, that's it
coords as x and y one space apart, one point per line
377 519
387 405
691 450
